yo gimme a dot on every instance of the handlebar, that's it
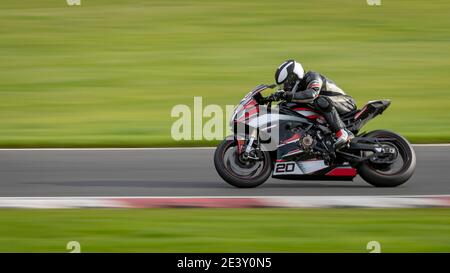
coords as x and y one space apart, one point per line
271 86
268 99
272 97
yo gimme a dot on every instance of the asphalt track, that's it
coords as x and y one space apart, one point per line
181 172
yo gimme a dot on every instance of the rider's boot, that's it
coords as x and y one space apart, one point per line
343 136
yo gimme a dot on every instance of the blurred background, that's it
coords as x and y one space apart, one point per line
108 72
225 230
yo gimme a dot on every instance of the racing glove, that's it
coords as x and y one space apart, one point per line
281 95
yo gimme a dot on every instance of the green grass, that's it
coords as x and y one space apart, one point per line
108 73
225 230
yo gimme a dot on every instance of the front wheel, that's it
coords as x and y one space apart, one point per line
396 172
238 172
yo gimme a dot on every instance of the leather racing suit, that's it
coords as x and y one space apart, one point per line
325 96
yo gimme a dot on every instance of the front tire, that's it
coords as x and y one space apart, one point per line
237 173
385 176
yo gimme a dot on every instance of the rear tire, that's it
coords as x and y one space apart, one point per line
371 172
231 177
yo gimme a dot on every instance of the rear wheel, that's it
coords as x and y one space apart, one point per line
239 172
400 166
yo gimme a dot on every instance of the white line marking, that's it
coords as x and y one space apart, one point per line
267 201
227 196
159 149
432 145
107 149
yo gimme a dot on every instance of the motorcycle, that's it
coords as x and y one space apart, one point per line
302 147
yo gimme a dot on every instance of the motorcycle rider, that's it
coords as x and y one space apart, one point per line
320 92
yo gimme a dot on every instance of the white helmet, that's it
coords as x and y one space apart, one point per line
288 71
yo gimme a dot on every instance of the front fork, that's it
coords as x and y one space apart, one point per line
248 147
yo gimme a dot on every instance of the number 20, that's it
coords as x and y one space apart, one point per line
285 167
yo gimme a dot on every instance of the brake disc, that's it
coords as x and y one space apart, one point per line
243 168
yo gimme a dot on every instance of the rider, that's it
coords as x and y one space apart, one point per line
319 91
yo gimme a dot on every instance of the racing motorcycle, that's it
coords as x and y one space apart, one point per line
293 141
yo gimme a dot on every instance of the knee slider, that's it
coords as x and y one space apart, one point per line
323 103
